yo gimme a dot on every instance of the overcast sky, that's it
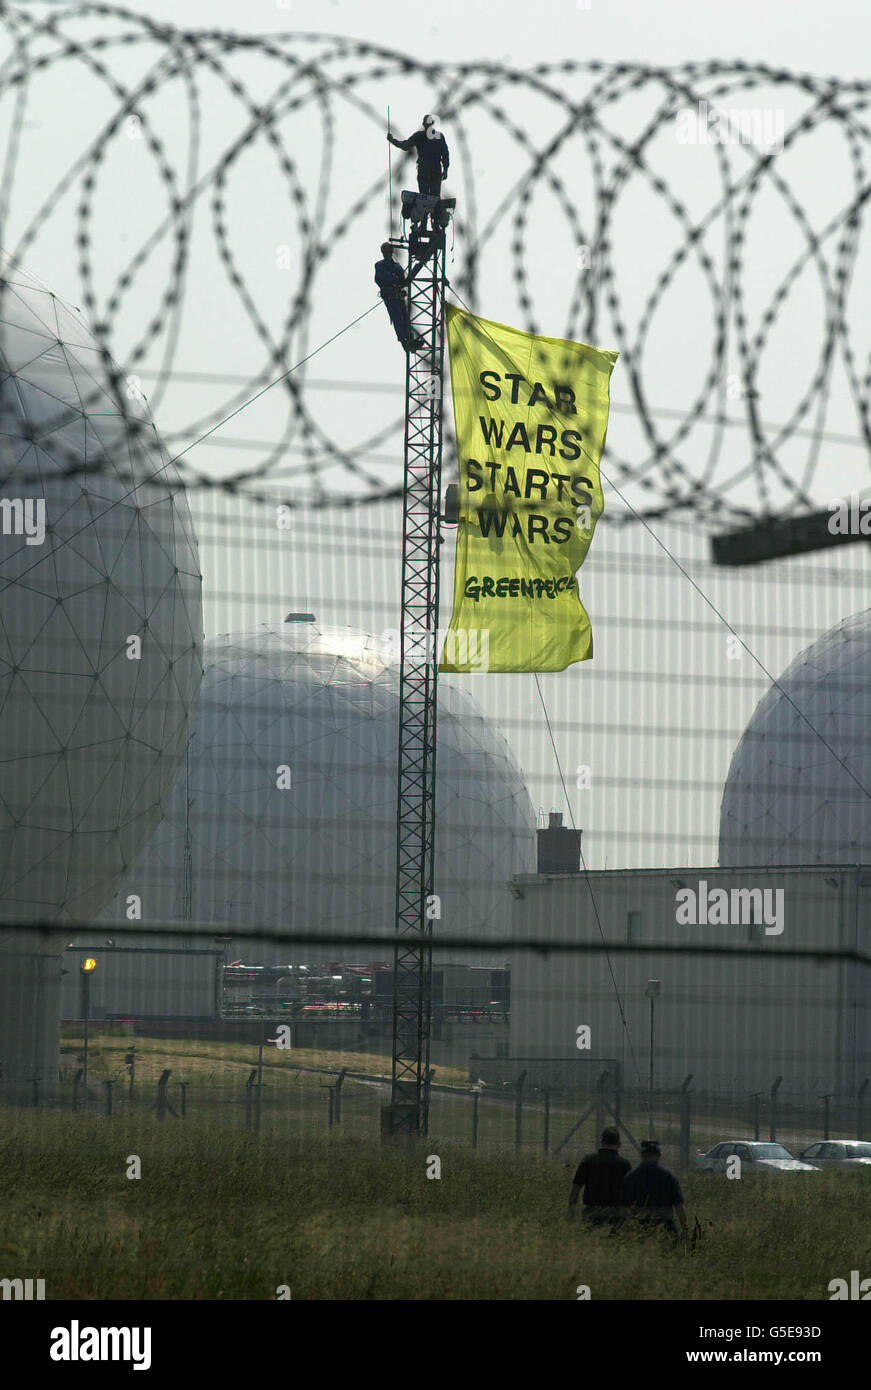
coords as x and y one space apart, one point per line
786 33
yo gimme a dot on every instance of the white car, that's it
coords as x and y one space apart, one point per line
839 1153
755 1157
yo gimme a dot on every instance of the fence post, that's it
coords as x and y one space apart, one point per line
475 1098
183 1087
772 1130
518 1111
427 1082
825 1099
330 1105
161 1093
338 1101
249 1086
600 1105
685 1121
259 1083
860 1108
76 1082
757 1096
108 1085
258 1090
546 1119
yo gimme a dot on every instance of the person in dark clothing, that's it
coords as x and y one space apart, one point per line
433 158
390 279
601 1177
652 1193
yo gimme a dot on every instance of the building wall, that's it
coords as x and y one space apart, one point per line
30 990
736 1024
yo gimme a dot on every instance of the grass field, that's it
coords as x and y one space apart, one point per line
219 1214
209 1062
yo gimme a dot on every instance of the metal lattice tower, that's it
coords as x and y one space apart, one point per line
415 815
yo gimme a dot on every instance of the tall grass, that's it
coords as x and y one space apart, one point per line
218 1214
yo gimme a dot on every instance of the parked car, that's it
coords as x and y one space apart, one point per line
838 1153
755 1157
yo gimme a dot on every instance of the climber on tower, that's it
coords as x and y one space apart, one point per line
433 158
390 279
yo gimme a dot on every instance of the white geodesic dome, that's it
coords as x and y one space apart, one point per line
799 789
91 734
320 855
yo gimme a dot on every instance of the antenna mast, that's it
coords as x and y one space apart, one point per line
415 814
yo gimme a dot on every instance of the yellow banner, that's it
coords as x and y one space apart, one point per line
531 417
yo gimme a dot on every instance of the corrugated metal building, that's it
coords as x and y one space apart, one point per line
736 1024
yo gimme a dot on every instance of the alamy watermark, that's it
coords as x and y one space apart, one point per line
22 1289
742 125
77 1343
858 1289
23 516
850 516
730 907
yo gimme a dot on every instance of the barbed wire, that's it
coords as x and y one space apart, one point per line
276 93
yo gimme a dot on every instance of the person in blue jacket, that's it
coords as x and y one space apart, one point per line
390 279
652 1192
433 157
